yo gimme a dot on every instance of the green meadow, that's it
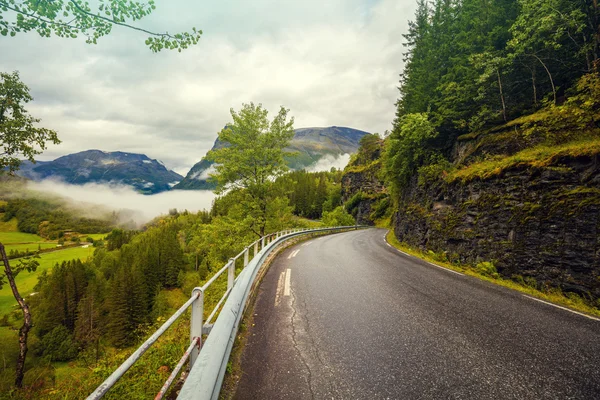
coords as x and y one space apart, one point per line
19 237
27 280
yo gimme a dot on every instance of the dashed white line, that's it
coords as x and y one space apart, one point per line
562 308
307 244
279 288
286 287
293 254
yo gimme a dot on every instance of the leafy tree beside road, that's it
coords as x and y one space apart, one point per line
19 136
252 159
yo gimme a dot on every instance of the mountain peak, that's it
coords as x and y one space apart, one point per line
137 170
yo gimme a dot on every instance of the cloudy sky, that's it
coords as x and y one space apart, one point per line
330 62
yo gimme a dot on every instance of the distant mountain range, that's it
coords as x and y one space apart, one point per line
137 170
309 144
150 176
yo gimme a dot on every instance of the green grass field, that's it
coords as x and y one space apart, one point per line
27 280
8 226
19 237
30 246
95 236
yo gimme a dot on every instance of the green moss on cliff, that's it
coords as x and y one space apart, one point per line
537 157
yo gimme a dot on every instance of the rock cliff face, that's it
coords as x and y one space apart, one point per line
363 190
537 223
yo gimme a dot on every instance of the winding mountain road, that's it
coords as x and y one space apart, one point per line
346 316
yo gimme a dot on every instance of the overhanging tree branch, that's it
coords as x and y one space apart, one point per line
46 17
114 22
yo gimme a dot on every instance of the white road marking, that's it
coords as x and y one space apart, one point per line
288 278
279 290
307 244
562 308
293 254
445 269
430 263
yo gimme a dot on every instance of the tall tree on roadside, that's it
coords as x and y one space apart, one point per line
19 137
9 275
552 34
253 158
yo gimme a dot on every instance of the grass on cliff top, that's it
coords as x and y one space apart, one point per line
537 157
554 296
540 116
373 165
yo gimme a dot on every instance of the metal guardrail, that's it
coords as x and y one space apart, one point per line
207 368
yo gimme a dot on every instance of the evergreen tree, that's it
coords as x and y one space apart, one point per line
128 308
89 326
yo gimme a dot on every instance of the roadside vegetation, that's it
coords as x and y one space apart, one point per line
93 305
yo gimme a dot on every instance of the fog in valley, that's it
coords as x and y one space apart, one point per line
328 161
100 198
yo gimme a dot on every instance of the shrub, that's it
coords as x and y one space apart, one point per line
354 201
381 208
487 269
438 169
337 217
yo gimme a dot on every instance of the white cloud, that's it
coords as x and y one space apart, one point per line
205 174
124 198
328 161
330 63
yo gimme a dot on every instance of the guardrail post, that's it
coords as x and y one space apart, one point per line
231 273
263 242
246 256
196 323
255 249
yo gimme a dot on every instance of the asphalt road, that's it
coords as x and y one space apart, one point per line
360 320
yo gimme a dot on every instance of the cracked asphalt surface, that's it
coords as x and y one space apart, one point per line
363 321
